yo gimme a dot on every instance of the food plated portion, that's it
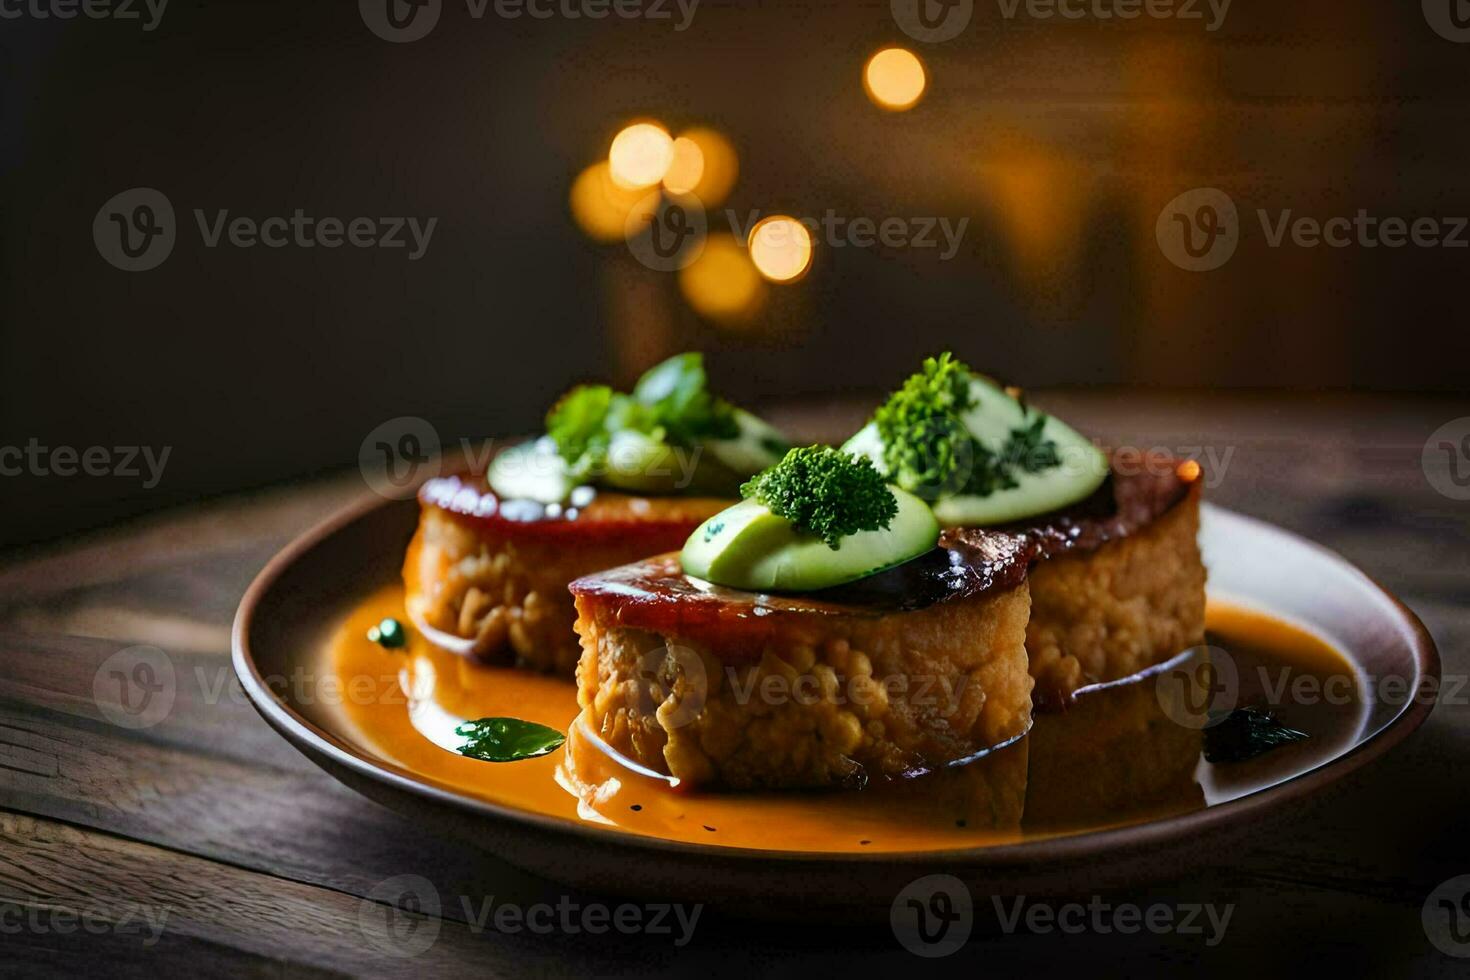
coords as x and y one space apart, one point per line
615 478
1118 583
825 632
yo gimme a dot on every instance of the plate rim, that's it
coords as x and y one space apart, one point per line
316 742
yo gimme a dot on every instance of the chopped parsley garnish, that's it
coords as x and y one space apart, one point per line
825 492
1246 733
925 445
507 739
671 403
928 450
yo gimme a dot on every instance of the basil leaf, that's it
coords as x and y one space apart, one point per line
507 739
1246 733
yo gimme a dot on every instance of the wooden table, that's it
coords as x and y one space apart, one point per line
257 863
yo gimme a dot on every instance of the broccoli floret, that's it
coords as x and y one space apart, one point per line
926 447
825 492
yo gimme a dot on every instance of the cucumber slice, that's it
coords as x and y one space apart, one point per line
758 445
1083 467
531 471
748 547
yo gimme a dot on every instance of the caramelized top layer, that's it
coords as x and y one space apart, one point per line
655 594
590 514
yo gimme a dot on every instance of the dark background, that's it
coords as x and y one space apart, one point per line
1060 141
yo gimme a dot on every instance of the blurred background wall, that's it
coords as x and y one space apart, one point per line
1060 142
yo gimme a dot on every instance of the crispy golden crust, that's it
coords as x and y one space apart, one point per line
878 696
501 586
1105 614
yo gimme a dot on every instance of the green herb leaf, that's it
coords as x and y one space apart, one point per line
1246 733
677 392
388 634
507 739
577 423
825 492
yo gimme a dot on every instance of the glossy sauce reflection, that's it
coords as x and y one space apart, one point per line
1114 757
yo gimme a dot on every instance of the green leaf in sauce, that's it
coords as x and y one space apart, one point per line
1246 733
388 634
507 739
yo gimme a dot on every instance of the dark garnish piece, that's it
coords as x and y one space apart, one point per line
507 739
1246 733
388 634
825 492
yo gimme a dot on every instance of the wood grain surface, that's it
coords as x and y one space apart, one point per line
205 845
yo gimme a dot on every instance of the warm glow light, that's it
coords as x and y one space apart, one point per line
640 155
781 248
722 284
600 206
1188 471
718 162
686 167
894 78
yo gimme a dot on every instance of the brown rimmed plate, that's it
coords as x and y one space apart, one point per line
293 606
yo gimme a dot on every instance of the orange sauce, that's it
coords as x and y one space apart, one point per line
1113 759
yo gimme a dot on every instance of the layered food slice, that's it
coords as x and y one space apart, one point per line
615 478
1119 584
893 658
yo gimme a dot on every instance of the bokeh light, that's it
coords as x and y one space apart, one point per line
640 155
781 248
894 78
686 167
722 284
718 166
600 205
